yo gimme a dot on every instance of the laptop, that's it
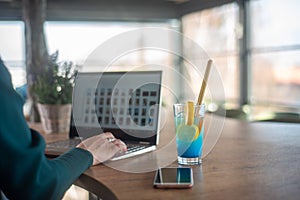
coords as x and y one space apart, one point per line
126 104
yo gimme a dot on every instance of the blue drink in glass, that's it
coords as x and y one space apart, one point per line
189 137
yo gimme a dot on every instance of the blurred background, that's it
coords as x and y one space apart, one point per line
255 45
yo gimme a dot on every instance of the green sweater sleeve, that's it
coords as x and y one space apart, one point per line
25 172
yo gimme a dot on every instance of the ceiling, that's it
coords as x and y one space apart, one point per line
124 10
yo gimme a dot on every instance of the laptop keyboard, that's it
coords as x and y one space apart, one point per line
132 149
67 144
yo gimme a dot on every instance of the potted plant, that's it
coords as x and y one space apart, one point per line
53 91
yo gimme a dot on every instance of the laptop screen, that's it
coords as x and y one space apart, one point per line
124 103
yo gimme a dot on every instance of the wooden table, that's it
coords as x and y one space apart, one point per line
258 160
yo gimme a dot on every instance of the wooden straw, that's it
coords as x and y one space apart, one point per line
202 90
203 86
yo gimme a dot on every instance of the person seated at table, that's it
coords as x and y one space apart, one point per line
25 171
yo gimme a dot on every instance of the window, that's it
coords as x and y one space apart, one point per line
75 41
273 52
12 50
275 55
215 30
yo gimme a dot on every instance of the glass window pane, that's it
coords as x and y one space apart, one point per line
75 40
274 22
276 81
12 50
12 40
216 31
229 71
227 68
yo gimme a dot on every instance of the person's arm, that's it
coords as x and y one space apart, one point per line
25 172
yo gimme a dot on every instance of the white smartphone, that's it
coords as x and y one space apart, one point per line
174 177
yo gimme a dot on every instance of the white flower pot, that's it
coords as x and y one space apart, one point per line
55 118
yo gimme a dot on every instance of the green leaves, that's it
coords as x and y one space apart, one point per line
55 86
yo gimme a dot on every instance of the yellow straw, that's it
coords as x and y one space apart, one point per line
190 113
203 86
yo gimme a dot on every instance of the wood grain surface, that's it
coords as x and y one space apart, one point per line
259 160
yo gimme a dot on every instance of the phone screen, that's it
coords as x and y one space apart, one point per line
174 177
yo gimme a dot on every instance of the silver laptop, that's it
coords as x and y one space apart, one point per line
126 104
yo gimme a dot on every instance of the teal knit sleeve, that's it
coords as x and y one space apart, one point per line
25 172
76 161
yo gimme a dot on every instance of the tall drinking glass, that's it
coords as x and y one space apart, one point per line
189 135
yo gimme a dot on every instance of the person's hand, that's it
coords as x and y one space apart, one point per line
103 147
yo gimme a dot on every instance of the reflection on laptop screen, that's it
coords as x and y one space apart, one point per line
124 103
